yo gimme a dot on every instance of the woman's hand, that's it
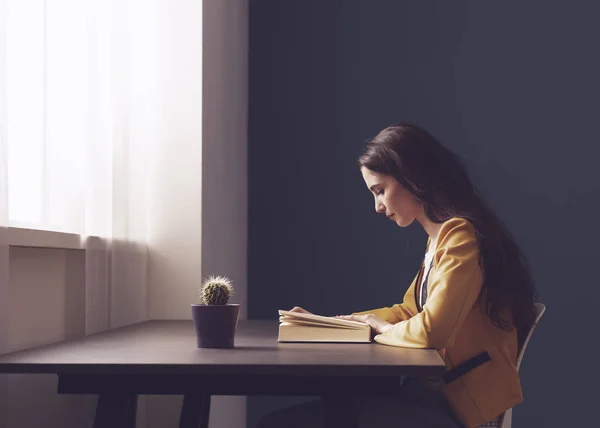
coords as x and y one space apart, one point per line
378 326
299 309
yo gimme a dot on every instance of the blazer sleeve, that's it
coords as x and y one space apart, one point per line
398 312
454 287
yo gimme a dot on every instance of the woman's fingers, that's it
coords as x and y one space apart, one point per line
360 318
377 325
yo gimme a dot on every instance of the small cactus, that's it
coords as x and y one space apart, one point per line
216 290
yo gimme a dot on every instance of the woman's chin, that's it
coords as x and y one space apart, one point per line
404 222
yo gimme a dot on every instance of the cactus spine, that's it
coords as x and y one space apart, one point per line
216 290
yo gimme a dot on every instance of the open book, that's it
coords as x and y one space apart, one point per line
300 327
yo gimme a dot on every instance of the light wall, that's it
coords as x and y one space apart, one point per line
224 158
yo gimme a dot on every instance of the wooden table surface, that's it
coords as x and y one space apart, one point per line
169 348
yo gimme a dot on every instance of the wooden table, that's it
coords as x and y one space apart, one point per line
161 357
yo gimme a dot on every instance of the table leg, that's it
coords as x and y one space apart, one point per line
195 411
116 411
338 412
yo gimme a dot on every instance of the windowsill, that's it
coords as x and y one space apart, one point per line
21 237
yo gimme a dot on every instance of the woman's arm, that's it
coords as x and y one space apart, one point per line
453 290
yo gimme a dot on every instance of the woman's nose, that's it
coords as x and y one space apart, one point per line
379 207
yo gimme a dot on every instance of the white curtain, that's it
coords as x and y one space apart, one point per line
121 63
78 121
4 273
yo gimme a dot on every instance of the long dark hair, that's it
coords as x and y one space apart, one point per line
437 177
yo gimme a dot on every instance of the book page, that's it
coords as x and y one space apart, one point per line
321 319
296 321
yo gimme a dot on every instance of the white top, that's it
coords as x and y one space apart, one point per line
426 265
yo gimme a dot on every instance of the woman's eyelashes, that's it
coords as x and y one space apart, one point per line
379 192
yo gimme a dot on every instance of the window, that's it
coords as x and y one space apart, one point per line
91 92
46 118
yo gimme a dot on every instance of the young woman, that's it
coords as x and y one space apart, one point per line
472 299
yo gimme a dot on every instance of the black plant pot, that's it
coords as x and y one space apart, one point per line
215 325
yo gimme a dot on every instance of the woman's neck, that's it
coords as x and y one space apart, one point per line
432 229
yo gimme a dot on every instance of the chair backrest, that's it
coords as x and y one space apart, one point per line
505 420
539 309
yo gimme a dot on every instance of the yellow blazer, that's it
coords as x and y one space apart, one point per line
481 380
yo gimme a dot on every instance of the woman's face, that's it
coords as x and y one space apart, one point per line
392 198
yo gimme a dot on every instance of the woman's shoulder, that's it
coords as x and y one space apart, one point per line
456 230
457 240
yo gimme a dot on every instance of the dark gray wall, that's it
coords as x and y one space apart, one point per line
511 86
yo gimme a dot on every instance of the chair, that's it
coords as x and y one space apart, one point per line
505 420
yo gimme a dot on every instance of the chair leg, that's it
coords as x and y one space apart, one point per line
195 411
116 411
